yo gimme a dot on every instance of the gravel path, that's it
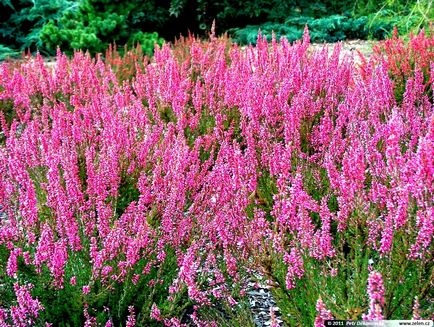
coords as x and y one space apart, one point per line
264 309
351 47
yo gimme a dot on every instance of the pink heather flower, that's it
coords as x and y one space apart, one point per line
106 270
90 321
131 320
161 256
323 313
376 296
12 265
135 278
195 319
27 258
232 301
3 318
86 289
325 241
172 322
155 313
188 273
199 322
58 262
27 308
295 267
387 235
151 283
353 168
231 264
274 321
73 280
374 225
45 248
425 221
416 311
109 323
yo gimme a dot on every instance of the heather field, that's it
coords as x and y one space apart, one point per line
149 192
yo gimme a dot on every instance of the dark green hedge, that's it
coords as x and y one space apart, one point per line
98 23
80 24
22 21
327 29
93 24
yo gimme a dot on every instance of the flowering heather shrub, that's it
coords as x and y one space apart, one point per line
376 295
152 202
126 62
183 45
405 59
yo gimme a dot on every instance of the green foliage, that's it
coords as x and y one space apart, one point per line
147 41
7 112
64 306
407 16
7 52
328 29
345 293
6 289
24 21
249 34
239 315
231 13
98 23
328 21
176 6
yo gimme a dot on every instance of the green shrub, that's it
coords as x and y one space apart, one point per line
94 24
7 52
328 29
146 40
98 23
331 22
24 21
407 16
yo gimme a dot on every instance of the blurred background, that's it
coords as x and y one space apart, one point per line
44 25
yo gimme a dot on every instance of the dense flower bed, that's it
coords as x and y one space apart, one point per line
149 199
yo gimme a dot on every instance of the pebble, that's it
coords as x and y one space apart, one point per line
262 304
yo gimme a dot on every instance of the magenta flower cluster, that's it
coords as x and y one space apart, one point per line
376 297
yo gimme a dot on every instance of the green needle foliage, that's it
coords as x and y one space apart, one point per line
407 15
24 21
98 23
327 29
